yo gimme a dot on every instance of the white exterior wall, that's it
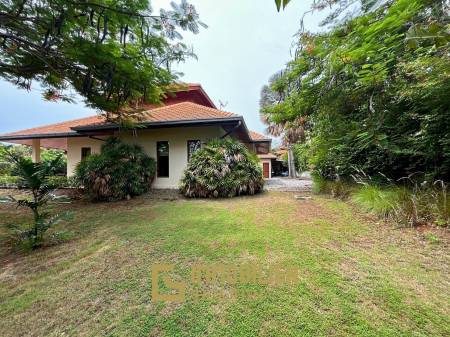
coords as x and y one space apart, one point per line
74 146
270 166
177 138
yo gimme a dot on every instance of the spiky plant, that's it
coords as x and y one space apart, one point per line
35 178
120 171
223 168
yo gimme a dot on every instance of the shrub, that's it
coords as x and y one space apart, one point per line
60 165
120 171
421 204
8 180
337 188
223 168
380 201
48 156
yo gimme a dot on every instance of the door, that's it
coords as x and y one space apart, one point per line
266 172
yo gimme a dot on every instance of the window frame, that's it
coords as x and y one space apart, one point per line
88 149
189 155
158 160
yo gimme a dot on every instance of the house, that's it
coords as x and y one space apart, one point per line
170 134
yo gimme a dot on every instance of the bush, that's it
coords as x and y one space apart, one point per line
60 165
8 180
120 171
223 168
418 205
47 156
380 201
62 181
337 188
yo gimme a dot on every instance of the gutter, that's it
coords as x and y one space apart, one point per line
41 136
150 125
233 129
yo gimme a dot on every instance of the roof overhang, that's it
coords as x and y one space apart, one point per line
41 136
157 125
234 125
265 140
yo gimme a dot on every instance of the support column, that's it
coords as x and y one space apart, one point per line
36 154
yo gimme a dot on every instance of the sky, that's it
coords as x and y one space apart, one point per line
244 44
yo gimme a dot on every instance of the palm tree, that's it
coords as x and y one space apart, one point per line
291 132
36 178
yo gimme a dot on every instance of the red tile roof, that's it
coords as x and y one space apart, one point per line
267 156
257 136
62 127
183 111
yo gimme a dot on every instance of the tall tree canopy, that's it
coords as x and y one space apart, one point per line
375 89
111 52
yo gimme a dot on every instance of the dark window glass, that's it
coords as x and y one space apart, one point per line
85 152
162 155
192 146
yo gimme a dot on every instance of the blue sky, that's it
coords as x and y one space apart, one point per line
246 42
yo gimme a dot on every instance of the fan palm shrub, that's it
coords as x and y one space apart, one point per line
119 171
223 168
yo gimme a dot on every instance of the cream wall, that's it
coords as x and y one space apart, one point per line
177 138
74 146
270 165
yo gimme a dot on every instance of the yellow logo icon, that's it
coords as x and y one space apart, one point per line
180 287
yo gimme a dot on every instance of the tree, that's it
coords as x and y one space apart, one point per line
36 178
374 90
291 132
111 52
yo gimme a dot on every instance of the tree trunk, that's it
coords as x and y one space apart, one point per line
291 163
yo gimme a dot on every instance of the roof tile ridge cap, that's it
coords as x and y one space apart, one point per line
162 107
214 109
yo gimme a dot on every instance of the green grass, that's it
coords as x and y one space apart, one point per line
357 278
379 201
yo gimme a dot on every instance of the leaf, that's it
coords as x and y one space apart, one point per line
278 3
281 2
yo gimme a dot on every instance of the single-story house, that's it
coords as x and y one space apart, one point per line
170 134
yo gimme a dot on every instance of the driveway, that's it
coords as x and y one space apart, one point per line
289 184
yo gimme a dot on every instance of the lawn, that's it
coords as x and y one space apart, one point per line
357 277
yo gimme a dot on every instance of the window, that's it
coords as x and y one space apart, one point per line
85 152
192 146
162 159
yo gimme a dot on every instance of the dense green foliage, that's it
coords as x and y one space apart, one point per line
47 156
409 205
374 91
110 52
34 177
223 168
301 156
120 171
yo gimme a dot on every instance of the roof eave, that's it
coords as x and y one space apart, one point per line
41 136
265 140
149 125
